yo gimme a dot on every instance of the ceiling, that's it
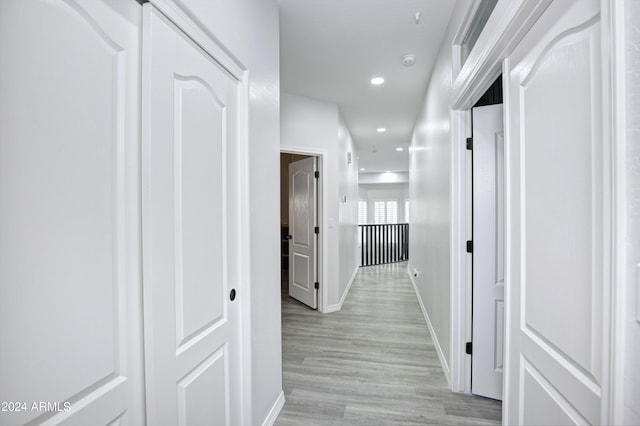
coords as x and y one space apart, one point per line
330 49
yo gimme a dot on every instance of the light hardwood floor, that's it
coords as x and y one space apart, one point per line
372 363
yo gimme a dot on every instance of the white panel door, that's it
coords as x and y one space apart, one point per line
303 241
190 229
558 214
488 252
70 311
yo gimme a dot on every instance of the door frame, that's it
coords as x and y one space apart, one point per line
322 164
510 21
181 19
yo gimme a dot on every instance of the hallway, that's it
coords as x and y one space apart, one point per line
373 362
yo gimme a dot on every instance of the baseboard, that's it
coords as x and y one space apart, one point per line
275 410
338 306
434 336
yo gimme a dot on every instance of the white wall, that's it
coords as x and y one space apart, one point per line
429 195
385 177
249 29
316 125
363 193
632 368
348 210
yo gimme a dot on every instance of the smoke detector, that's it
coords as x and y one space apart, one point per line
408 59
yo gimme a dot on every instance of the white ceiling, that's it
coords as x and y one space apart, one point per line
330 49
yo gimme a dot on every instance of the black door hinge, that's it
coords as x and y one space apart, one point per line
317 285
316 174
469 143
469 246
317 230
469 348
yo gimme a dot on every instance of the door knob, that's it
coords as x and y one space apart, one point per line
232 295
289 237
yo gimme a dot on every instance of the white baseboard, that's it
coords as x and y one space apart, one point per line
434 336
275 410
338 306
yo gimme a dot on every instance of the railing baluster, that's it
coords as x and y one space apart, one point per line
396 234
402 244
377 239
406 251
392 243
377 259
361 231
369 245
384 243
397 242
381 229
399 246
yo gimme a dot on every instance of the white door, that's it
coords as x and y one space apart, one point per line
302 223
488 252
70 310
190 229
558 220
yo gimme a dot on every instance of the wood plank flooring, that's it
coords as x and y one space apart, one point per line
372 363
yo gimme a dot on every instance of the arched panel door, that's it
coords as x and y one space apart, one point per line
192 293
302 225
558 216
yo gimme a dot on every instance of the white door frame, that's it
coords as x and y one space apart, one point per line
508 24
323 243
175 13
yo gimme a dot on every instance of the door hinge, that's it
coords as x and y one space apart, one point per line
316 174
317 285
469 246
469 348
469 143
317 230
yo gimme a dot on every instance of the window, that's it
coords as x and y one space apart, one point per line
406 211
385 212
362 212
392 212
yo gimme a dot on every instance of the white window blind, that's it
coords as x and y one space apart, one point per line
379 213
385 212
362 212
392 212
406 211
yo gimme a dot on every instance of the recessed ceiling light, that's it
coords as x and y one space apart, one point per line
362 169
400 148
377 81
381 130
